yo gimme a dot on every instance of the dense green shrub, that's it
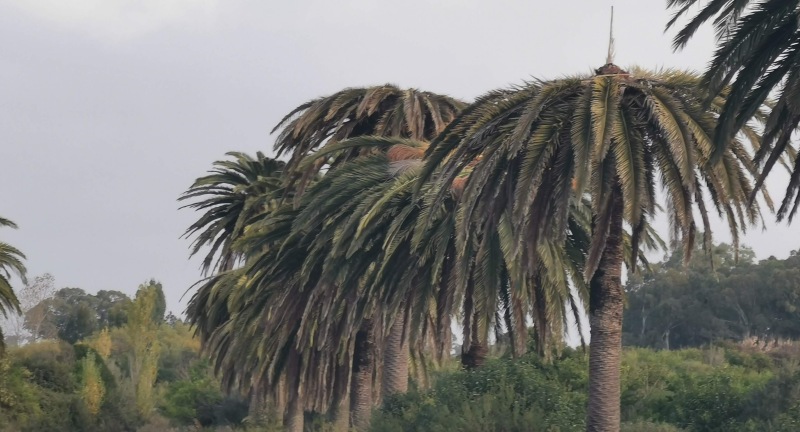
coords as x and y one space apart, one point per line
501 396
697 390
200 400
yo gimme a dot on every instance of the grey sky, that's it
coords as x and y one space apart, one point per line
110 108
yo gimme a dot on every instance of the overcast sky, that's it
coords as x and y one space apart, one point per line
109 109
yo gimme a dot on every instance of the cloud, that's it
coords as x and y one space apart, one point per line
116 20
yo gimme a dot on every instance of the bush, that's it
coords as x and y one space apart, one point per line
503 395
200 400
697 390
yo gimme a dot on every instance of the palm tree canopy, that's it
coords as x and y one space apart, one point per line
385 110
758 54
540 145
11 263
315 272
609 138
234 191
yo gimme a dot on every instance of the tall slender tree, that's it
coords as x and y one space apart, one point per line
610 137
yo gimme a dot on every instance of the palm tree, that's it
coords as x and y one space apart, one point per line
759 56
608 137
386 111
335 280
382 110
10 264
235 191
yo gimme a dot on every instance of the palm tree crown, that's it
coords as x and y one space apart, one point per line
235 191
386 111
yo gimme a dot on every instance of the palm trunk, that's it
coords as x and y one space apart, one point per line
395 359
256 403
519 335
605 318
293 420
341 415
293 417
474 349
340 409
478 350
542 326
363 365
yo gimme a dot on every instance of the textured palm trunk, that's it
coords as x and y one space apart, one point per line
340 409
293 421
475 346
542 326
363 368
294 415
519 335
605 318
279 396
478 350
395 359
256 404
341 415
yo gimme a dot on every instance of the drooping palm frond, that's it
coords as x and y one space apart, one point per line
11 264
540 144
758 54
386 111
235 191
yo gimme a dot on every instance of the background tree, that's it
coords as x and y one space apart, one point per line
72 314
92 390
142 332
676 307
10 264
40 288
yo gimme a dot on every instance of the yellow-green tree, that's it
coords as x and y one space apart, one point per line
142 331
93 389
102 343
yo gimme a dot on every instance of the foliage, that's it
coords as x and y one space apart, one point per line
11 263
142 331
662 391
677 306
199 399
759 55
34 292
72 314
54 386
102 343
93 389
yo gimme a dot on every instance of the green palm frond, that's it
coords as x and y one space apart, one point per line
627 128
234 192
758 54
383 111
